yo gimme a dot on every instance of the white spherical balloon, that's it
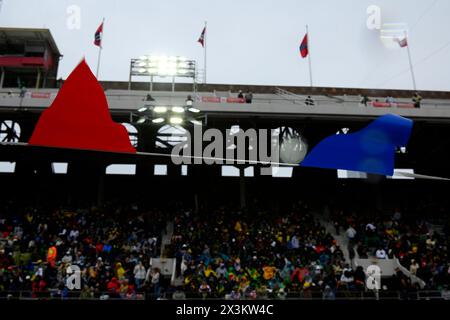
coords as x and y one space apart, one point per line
293 150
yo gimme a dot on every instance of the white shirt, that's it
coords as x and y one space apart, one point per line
40 272
74 234
346 279
183 266
67 258
221 271
413 268
351 233
295 243
381 254
139 272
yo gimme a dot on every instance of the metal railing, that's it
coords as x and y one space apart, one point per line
281 96
306 295
53 294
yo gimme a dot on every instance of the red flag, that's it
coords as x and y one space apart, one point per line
402 43
79 118
99 36
304 47
201 40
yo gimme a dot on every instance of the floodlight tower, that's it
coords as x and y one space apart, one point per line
162 66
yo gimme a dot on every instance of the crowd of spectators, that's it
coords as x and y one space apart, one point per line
236 255
220 253
406 236
112 248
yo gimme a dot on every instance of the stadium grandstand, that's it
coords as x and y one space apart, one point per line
139 227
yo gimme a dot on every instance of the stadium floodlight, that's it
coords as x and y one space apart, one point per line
173 115
160 109
178 109
176 120
194 110
163 66
158 120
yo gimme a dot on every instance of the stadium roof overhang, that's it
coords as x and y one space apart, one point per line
21 35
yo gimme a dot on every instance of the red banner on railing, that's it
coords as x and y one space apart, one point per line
40 95
376 104
405 105
235 100
211 99
222 99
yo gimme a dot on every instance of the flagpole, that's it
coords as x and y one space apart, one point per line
410 63
204 55
100 49
309 57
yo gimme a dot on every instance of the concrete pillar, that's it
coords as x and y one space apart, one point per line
2 78
44 82
101 190
242 191
38 80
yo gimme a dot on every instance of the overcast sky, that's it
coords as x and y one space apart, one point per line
252 41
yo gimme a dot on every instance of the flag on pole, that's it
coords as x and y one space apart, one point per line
99 36
304 47
402 43
201 40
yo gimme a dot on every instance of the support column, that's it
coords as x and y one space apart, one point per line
196 183
38 80
242 191
101 190
129 79
44 82
196 207
2 78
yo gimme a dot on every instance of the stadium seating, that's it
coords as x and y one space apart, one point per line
220 253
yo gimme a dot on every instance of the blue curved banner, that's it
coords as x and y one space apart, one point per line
370 150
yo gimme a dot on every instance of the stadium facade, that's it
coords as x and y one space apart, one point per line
75 178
